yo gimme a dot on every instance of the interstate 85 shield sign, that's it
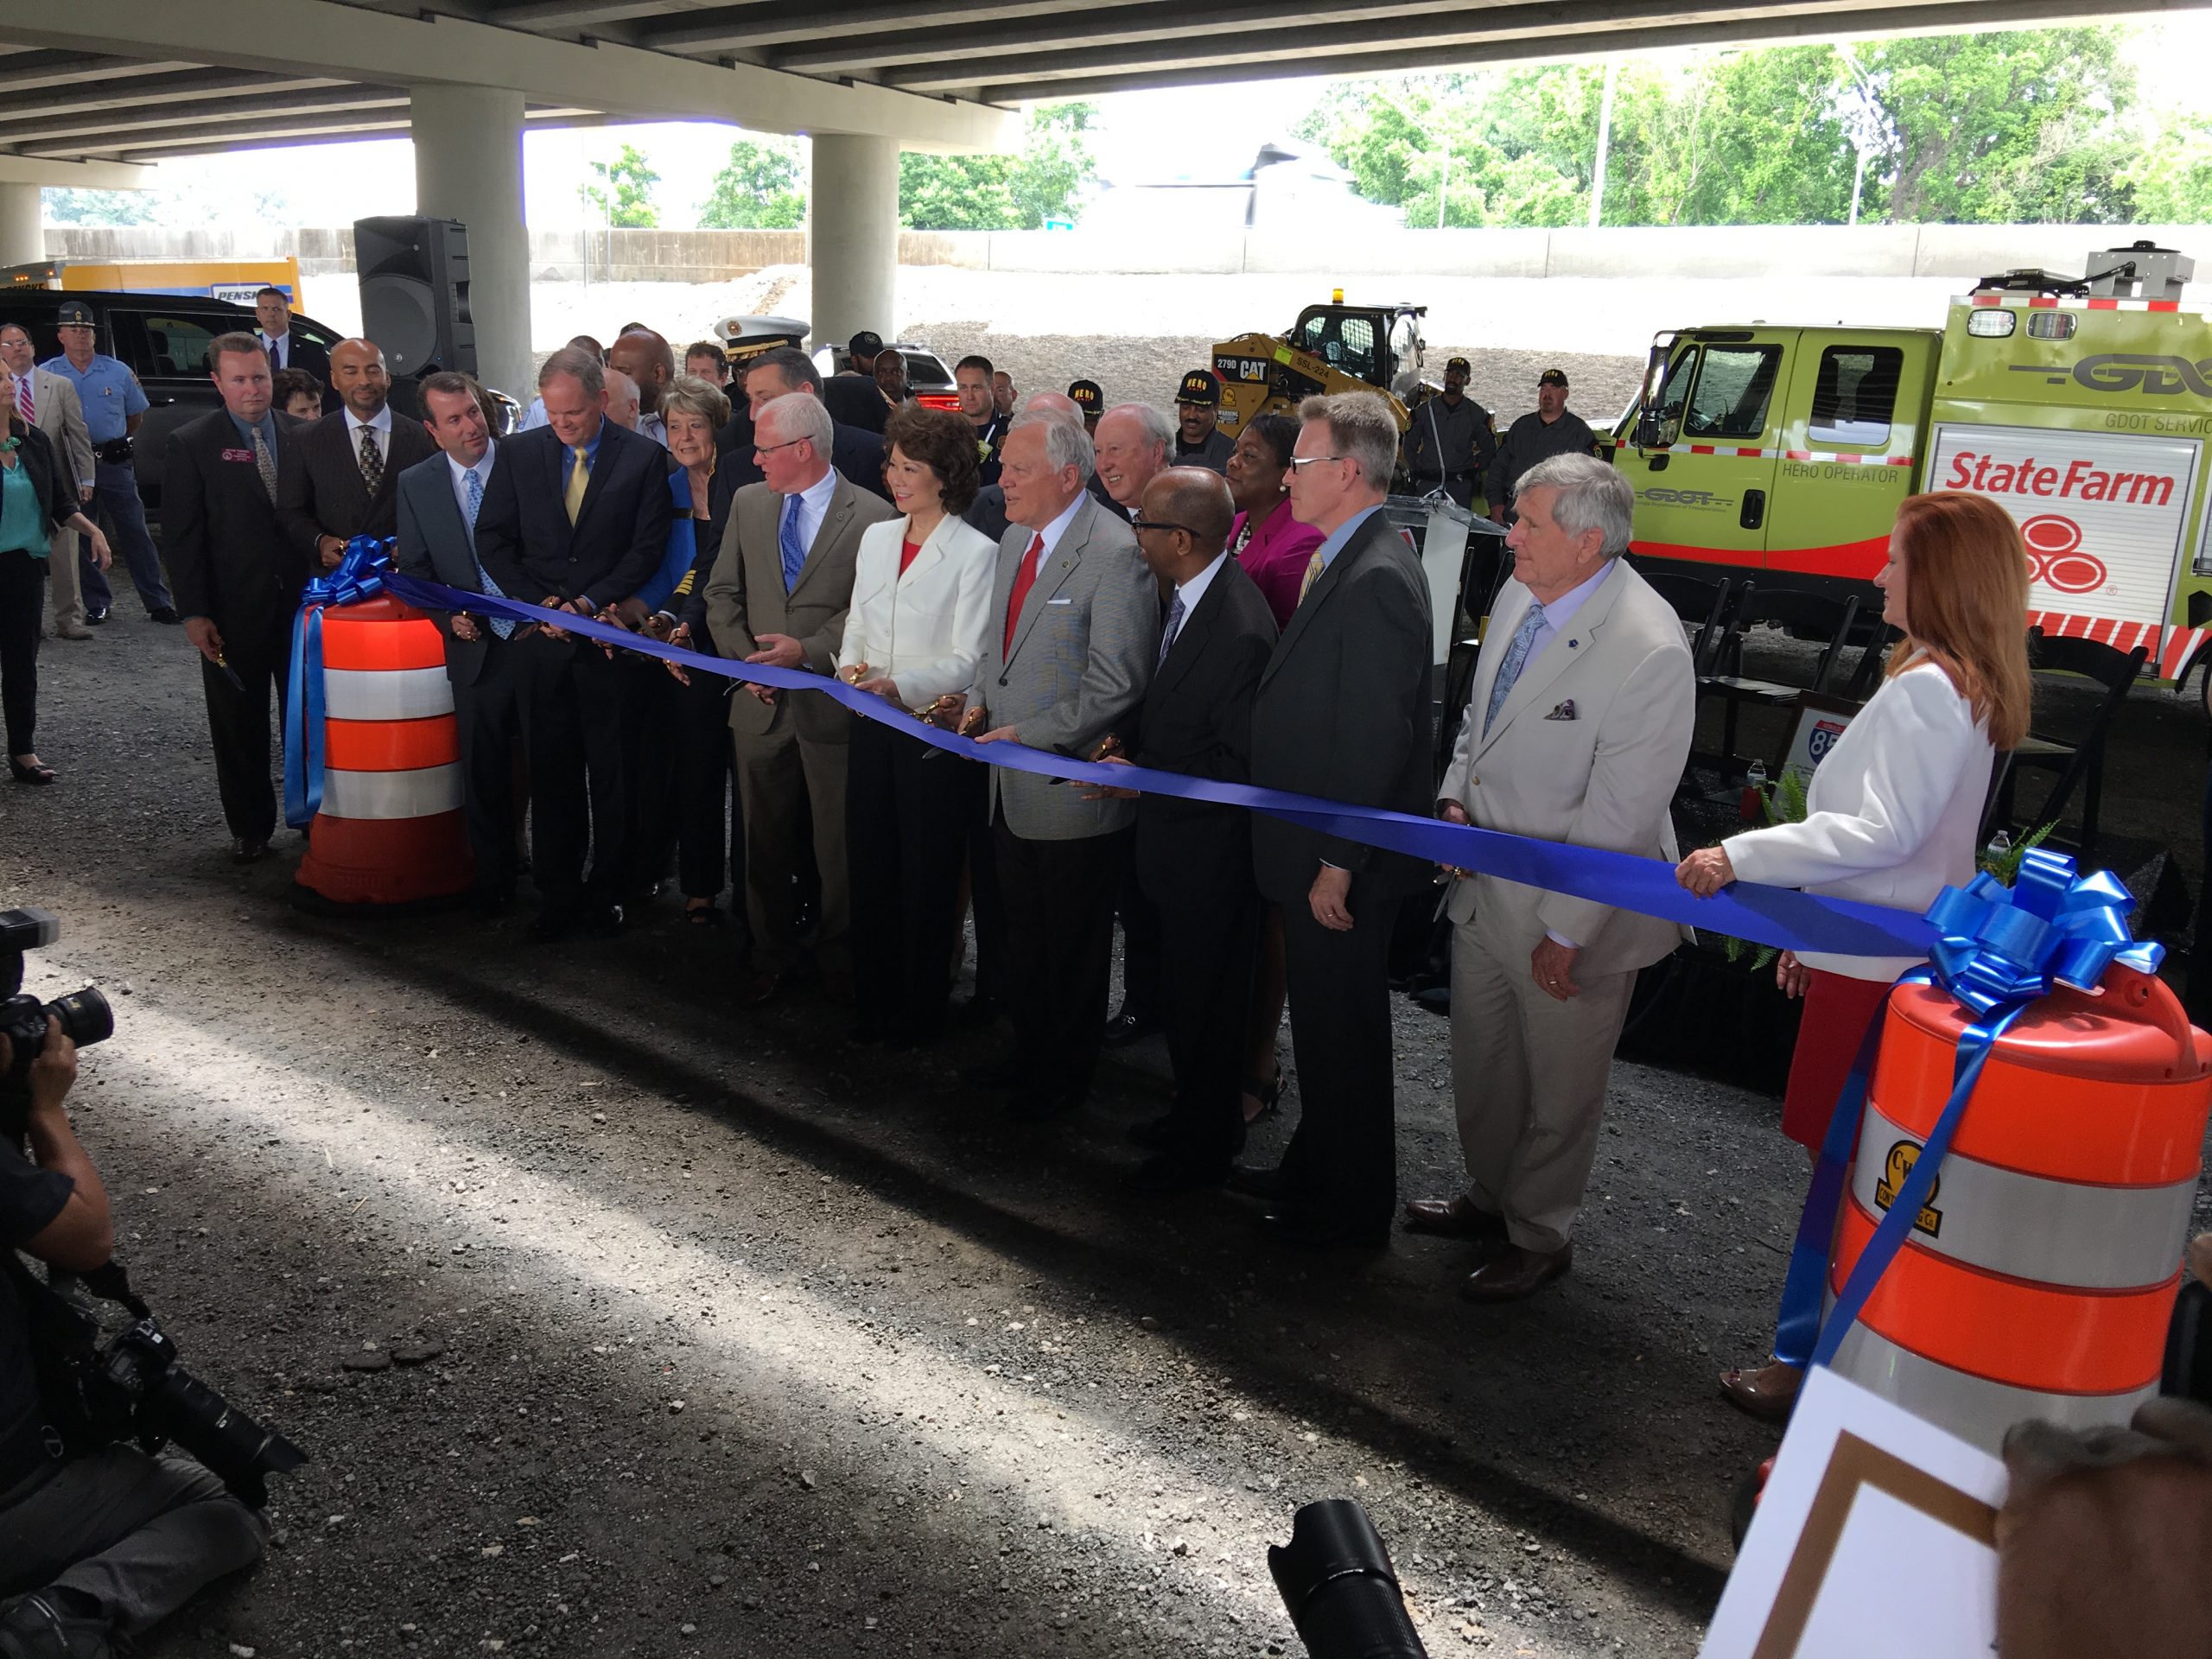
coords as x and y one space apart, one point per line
2102 513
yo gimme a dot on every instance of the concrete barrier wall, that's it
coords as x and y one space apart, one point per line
1818 251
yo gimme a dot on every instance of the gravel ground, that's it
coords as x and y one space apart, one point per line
752 1340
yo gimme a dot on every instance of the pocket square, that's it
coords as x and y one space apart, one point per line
1565 711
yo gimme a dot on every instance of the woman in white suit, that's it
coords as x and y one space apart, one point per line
920 612
1893 815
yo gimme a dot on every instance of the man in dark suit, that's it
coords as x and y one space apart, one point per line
238 578
1193 859
439 501
576 517
341 475
287 350
1342 713
854 452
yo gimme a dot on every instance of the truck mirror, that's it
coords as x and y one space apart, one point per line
1647 435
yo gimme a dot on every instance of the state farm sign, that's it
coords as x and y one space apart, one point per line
2101 514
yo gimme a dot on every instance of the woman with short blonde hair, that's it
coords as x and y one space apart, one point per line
1893 816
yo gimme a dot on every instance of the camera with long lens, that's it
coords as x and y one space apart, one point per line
84 1015
1339 1588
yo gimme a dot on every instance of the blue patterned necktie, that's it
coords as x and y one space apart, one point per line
794 550
501 626
1173 625
1516 658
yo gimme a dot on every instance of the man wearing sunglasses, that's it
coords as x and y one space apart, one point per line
1342 712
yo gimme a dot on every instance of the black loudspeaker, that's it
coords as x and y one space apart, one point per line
414 275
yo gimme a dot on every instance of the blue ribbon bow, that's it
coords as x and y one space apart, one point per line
360 573
1999 950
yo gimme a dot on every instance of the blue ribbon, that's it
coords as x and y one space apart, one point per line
1999 950
360 573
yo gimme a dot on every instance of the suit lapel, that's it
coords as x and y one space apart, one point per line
1565 647
1190 643
931 551
834 519
1064 559
610 452
1332 578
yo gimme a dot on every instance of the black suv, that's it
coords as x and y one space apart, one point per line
164 339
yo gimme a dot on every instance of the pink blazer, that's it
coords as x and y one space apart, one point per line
1276 557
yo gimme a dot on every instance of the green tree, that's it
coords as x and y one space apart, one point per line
65 207
1003 192
2169 174
625 191
757 188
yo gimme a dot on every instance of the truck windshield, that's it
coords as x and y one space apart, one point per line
1733 388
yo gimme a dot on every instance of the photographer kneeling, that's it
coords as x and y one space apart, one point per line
94 1540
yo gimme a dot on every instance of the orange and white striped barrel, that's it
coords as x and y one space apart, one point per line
390 830
2039 1278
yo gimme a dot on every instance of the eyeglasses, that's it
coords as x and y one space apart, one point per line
1142 524
1298 463
760 449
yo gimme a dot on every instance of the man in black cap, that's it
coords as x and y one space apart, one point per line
1198 441
1088 397
1451 443
851 394
1550 430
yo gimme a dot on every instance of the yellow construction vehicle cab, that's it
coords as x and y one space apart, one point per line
2083 405
1332 348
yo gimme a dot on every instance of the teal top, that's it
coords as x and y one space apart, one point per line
22 524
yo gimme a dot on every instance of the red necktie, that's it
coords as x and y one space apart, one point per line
1024 579
23 398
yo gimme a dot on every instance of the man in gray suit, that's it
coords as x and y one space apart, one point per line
56 410
1075 628
1576 731
437 501
778 595
1343 713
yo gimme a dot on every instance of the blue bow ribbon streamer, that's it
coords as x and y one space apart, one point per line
361 573
1998 952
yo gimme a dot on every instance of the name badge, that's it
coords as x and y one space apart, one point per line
237 455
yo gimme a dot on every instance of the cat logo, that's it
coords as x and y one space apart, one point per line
1895 1168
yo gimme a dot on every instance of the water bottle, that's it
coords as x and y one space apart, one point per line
1997 855
1752 808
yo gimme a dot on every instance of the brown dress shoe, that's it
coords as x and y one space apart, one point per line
1515 1272
758 986
1456 1217
1769 1393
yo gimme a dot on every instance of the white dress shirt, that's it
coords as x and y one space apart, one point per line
1193 591
380 424
1051 533
483 470
813 507
1893 814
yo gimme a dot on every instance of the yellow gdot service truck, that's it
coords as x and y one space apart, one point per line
2084 406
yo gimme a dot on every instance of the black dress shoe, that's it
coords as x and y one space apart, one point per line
1298 1231
1152 1132
1130 1025
600 921
1166 1173
994 1074
249 849
94 615
553 925
1456 1217
1042 1105
1256 1182
490 904
164 614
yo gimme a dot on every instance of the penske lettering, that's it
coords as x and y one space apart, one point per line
2075 480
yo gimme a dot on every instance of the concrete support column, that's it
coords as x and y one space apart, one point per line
22 225
468 166
853 218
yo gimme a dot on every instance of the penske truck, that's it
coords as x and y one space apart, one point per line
2083 405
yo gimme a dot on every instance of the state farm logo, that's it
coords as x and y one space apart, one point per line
2055 555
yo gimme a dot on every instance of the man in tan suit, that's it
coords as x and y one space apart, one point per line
57 411
1576 730
778 595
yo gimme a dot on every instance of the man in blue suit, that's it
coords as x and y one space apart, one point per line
439 501
576 517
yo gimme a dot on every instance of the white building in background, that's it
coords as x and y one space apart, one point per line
1289 185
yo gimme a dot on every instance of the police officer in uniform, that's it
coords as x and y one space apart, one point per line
1548 431
115 404
1199 441
1451 441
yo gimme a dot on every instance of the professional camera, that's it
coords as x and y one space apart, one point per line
1339 1588
131 1388
84 1015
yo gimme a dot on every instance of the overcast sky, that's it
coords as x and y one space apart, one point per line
1141 135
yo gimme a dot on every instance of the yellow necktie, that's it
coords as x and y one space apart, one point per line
1313 568
579 481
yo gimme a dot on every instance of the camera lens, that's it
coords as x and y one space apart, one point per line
1339 1588
85 1015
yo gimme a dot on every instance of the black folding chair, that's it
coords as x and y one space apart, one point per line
2078 762
1805 616
1702 605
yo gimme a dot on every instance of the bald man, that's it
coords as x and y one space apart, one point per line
625 397
341 478
648 362
1193 859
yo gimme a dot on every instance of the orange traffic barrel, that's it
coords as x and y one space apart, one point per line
390 830
2039 1278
